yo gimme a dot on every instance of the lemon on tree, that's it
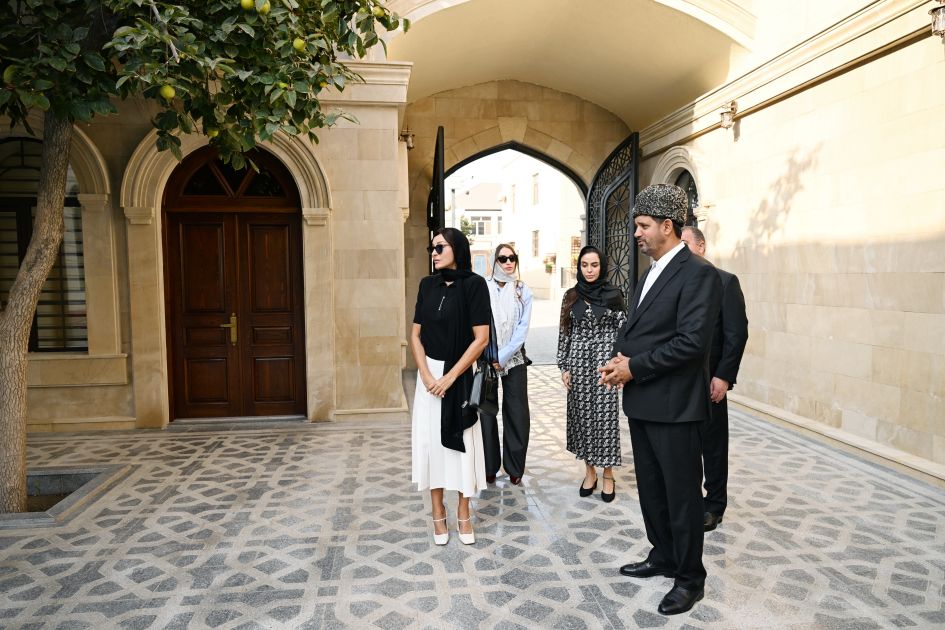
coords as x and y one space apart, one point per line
378 11
264 9
248 4
213 133
299 44
167 92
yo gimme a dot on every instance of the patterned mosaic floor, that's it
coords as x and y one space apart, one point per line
317 527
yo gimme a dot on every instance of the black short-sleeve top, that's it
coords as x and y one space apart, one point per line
438 312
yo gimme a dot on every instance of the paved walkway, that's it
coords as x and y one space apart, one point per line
317 527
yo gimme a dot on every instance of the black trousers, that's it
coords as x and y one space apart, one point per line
668 466
714 435
516 421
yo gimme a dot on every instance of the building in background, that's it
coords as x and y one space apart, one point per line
510 197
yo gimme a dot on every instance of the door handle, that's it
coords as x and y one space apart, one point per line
232 327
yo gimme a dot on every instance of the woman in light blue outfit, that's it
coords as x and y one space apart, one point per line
511 301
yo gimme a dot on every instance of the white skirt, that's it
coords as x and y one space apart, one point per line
434 465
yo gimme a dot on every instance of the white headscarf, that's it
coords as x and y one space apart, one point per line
506 304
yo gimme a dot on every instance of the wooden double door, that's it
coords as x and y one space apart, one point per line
235 312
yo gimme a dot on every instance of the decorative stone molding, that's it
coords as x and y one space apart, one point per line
86 160
672 163
139 215
875 28
727 16
142 192
405 213
93 202
149 169
702 213
316 216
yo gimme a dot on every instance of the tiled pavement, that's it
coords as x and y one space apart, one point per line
317 527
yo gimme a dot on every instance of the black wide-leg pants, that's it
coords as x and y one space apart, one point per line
714 435
667 461
516 422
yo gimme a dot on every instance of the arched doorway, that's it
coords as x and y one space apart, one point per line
233 287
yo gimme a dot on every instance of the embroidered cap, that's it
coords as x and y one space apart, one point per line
663 201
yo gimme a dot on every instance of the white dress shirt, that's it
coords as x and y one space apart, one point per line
657 268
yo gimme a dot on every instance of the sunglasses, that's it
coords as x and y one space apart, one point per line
437 248
505 259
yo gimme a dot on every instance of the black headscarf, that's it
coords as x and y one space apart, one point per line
454 419
600 294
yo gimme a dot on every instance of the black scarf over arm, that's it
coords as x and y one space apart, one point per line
454 419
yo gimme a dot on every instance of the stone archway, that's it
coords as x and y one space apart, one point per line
678 159
142 190
567 130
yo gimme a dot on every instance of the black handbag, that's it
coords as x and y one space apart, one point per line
484 393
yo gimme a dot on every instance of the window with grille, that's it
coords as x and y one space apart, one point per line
687 182
60 322
535 243
481 225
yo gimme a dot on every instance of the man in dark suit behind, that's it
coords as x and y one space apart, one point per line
662 364
728 346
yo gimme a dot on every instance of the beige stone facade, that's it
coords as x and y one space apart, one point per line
350 185
826 198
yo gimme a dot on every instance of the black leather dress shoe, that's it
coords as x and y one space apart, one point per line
644 569
586 492
711 520
679 600
515 480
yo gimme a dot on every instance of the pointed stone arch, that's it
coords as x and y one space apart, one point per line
521 148
141 195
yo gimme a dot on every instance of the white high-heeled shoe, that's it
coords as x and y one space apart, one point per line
466 539
441 539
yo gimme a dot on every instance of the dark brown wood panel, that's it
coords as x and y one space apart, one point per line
233 248
274 380
272 304
271 267
203 273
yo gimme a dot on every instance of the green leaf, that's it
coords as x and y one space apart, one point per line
290 98
94 61
42 84
246 28
58 63
166 120
275 94
79 34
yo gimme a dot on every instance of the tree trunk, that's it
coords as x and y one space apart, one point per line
16 316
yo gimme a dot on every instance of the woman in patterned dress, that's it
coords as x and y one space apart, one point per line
591 314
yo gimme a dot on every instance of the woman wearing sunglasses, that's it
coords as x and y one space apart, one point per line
511 310
450 331
591 314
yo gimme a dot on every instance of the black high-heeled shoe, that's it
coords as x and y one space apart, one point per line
586 492
608 497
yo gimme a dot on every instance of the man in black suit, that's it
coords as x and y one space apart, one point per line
728 346
662 365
